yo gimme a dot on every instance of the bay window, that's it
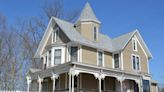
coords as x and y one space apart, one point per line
57 56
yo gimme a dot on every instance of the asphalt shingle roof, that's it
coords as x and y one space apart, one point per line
105 42
87 14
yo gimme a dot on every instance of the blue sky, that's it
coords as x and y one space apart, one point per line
117 17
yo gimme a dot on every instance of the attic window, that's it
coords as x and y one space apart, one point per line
134 44
56 35
95 34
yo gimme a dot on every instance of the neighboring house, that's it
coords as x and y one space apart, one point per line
79 58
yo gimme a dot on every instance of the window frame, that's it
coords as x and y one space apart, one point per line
58 56
102 58
55 38
134 44
118 59
95 33
136 66
79 53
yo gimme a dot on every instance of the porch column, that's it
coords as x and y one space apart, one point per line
120 79
139 85
121 85
69 81
28 83
40 83
99 84
54 77
72 83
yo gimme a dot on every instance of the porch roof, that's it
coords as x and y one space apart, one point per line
83 68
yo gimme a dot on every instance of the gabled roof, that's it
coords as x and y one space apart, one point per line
120 42
105 42
88 14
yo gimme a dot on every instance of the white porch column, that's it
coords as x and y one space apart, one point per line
28 83
69 81
99 84
120 79
40 83
54 77
139 85
72 74
121 85
72 83
99 77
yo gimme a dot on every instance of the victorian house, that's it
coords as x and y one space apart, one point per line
77 57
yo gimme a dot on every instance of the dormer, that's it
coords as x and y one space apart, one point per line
87 24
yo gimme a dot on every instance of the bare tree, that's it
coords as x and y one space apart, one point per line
32 29
18 44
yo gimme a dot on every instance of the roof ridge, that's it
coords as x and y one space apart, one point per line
125 34
62 20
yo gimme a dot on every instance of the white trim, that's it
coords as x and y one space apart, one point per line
141 46
52 58
135 65
149 55
80 53
156 88
44 39
148 69
122 61
146 78
112 60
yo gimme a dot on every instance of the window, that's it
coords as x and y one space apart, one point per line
134 44
136 62
56 35
116 61
43 63
46 63
49 58
95 34
146 85
100 58
74 51
57 56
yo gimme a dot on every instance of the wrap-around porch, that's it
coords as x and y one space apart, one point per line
78 79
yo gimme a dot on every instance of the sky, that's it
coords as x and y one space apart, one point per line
117 17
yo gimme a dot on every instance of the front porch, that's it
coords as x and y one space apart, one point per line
80 78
